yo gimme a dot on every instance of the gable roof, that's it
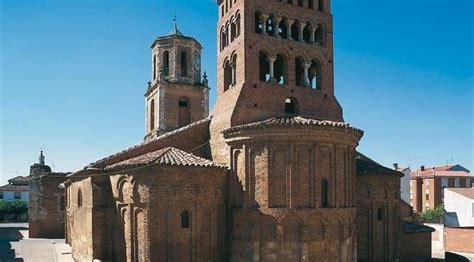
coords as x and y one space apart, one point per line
467 192
367 166
151 145
168 156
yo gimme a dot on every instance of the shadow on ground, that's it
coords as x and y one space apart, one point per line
8 235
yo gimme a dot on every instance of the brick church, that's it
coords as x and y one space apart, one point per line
270 174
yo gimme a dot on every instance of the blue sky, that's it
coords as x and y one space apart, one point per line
73 75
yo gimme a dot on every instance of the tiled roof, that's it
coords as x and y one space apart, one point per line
467 192
456 167
367 166
294 121
169 156
19 180
15 188
411 227
433 173
137 147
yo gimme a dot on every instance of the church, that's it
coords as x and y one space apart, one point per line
272 173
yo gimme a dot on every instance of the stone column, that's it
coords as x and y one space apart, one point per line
232 68
289 22
306 65
272 60
302 25
313 30
264 18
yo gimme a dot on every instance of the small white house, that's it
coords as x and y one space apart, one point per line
459 206
16 189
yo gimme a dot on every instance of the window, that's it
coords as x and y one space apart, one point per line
379 214
1 194
166 63
299 71
315 74
152 115
427 196
300 3
17 195
444 182
307 33
283 29
270 27
79 197
258 23
185 219
321 5
264 67
468 183
280 69
227 75
311 4
319 35
184 112
295 31
457 182
184 64
291 106
324 193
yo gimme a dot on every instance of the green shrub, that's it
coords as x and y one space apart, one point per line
433 214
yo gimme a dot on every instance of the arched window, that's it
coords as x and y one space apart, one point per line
270 27
226 5
233 29
152 114
258 23
321 5
227 75
324 193
283 29
307 33
79 197
311 4
185 219
295 31
166 63
299 71
223 38
319 35
184 64
300 3
184 112
264 67
280 70
237 22
315 74
154 67
291 106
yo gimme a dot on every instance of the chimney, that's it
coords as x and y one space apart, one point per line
395 166
422 168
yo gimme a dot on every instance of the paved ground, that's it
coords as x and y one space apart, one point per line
15 246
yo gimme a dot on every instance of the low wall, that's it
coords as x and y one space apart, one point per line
459 239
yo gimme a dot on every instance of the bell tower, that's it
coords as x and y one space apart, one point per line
275 58
176 95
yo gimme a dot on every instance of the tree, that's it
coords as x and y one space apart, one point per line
15 208
433 214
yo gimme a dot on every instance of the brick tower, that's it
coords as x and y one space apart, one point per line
279 126
176 96
275 58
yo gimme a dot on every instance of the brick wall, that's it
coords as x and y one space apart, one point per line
47 206
415 246
459 239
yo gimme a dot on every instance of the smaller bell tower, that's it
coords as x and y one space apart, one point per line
176 95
